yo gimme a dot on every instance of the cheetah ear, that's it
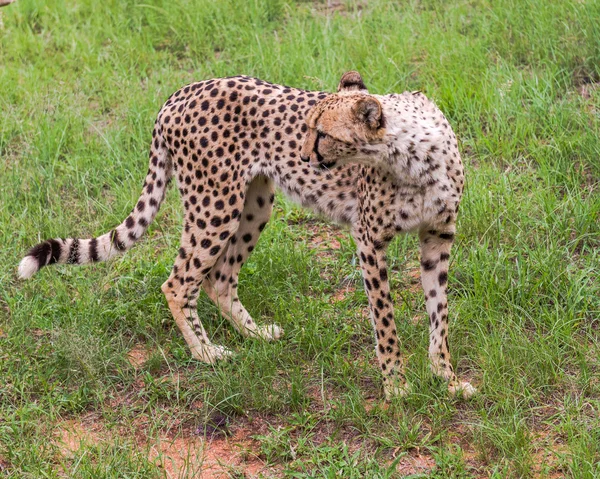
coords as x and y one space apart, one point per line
352 82
368 110
313 116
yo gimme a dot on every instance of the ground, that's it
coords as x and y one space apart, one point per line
96 381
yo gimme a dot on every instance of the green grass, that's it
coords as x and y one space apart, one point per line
81 83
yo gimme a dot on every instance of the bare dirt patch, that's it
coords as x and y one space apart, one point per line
4 465
413 274
324 238
72 434
546 455
415 463
331 7
186 455
342 293
137 356
586 90
214 458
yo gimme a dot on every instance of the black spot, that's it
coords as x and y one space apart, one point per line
428 265
117 243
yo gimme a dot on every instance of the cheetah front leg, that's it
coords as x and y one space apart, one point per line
221 285
375 275
435 254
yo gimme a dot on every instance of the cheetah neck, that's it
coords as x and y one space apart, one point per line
410 150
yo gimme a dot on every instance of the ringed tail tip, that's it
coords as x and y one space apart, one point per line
28 267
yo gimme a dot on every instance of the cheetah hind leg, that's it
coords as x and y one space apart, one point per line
221 284
232 308
186 318
192 265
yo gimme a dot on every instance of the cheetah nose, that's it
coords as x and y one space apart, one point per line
305 159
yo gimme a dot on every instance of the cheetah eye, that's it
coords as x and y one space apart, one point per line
321 136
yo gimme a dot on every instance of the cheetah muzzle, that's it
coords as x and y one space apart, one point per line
381 164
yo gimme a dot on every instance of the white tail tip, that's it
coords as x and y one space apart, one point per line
28 267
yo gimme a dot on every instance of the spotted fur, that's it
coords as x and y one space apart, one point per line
382 164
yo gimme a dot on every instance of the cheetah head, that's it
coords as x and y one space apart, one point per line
345 127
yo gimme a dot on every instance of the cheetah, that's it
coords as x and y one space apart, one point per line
383 165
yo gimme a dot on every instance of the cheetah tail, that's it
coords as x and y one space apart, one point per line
118 240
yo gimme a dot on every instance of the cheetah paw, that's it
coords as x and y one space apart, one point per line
463 388
393 390
210 353
270 332
439 369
